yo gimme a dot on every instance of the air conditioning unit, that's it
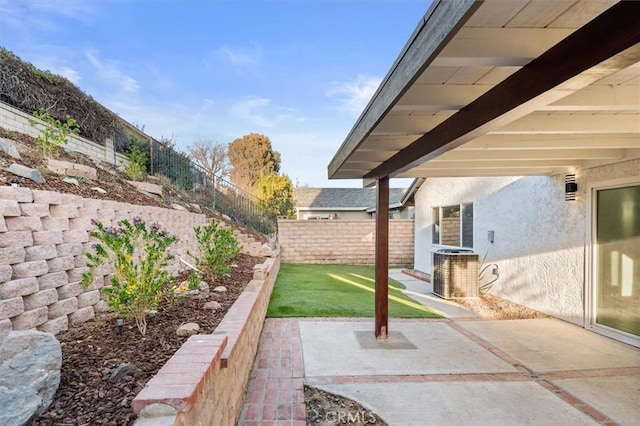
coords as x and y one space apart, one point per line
455 273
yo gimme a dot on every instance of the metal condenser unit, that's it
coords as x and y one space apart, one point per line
455 273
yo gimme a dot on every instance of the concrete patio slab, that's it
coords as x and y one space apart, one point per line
619 397
548 344
462 403
332 348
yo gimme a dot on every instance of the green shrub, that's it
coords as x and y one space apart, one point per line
217 248
137 167
54 133
140 256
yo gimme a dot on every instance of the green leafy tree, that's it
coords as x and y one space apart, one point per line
252 156
276 194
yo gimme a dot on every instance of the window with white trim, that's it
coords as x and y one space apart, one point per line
453 225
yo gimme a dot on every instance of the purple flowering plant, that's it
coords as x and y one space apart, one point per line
140 256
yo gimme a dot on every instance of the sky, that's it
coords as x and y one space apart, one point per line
298 71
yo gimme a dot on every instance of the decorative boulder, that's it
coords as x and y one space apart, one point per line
188 329
29 375
212 305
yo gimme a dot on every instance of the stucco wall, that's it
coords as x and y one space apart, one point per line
540 239
16 120
342 241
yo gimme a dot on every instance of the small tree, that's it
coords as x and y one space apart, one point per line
276 194
212 157
54 133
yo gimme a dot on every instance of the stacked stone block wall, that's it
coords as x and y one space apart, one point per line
219 364
16 120
342 241
43 238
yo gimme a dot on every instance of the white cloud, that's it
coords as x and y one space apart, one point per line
246 109
44 15
237 56
260 112
109 71
354 95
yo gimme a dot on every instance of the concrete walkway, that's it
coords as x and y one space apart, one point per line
454 371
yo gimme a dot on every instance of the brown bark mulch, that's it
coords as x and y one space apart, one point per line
92 351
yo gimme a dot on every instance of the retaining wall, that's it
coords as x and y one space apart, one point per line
342 241
43 237
16 120
204 382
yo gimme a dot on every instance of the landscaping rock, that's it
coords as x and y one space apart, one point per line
203 286
99 190
26 172
9 148
71 180
220 289
178 207
188 329
212 305
124 369
30 364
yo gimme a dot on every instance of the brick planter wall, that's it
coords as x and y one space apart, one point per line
342 241
205 381
43 237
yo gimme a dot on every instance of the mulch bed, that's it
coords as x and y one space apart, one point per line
93 350
324 408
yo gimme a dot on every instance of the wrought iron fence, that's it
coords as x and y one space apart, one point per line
165 162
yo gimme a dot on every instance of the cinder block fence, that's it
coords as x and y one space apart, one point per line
342 241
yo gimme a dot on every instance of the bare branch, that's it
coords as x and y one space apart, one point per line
212 157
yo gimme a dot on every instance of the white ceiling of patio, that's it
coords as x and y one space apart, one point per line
589 120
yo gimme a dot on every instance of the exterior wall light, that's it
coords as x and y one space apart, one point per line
570 187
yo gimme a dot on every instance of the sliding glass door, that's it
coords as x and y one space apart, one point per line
616 280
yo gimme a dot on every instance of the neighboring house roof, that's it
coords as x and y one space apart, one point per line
342 198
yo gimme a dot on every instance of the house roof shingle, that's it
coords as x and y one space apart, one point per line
342 197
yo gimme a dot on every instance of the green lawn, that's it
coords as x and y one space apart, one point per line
305 290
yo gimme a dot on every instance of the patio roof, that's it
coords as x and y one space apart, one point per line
504 87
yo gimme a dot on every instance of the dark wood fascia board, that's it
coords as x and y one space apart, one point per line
439 25
580 59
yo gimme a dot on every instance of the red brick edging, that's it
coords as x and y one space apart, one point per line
205 380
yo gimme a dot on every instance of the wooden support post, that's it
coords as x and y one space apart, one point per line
382 258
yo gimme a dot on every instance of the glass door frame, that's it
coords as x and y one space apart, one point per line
592 264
